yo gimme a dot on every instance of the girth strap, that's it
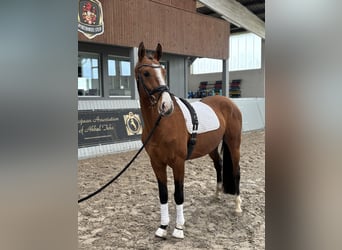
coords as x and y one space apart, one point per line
194 120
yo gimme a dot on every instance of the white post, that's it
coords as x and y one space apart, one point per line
225 77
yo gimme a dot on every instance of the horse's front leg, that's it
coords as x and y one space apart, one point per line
178 173
160 172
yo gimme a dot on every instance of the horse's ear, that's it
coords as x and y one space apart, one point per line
158 53
141 51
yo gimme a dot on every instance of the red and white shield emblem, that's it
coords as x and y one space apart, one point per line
90 18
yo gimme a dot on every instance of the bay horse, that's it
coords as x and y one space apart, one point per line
169 142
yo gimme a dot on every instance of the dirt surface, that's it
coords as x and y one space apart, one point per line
126 214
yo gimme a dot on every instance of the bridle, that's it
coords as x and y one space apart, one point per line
150 92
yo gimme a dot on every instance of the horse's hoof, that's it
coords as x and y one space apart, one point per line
238 211
161 233
178 232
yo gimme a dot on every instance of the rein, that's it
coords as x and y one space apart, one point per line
126 167
160 89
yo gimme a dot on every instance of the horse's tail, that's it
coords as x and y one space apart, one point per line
228 178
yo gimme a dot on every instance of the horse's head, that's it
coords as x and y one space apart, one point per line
150 76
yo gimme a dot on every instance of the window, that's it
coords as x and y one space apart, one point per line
88 74
244 54
119 73
106 71
206 65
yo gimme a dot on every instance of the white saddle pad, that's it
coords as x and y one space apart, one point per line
207 119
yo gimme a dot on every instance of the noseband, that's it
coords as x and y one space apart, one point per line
150 92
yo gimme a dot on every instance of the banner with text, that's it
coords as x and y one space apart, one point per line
99 127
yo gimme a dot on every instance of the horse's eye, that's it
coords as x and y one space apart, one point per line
146 73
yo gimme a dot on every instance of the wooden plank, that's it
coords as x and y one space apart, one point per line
128 22
189 5
237 14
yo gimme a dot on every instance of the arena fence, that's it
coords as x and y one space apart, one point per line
114 126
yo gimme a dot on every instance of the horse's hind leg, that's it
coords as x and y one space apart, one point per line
215 156
235 152
231 169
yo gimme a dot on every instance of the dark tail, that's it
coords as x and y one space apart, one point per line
228 178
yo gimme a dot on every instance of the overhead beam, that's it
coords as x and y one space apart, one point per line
237 14
253 2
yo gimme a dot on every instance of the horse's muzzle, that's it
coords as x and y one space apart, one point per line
166 111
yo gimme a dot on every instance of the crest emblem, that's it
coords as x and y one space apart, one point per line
90 18
133 124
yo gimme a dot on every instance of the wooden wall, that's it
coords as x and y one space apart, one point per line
173 23
189 5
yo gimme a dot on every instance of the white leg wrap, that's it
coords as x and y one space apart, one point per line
238 204
178 232
164 214
180 216
164 220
